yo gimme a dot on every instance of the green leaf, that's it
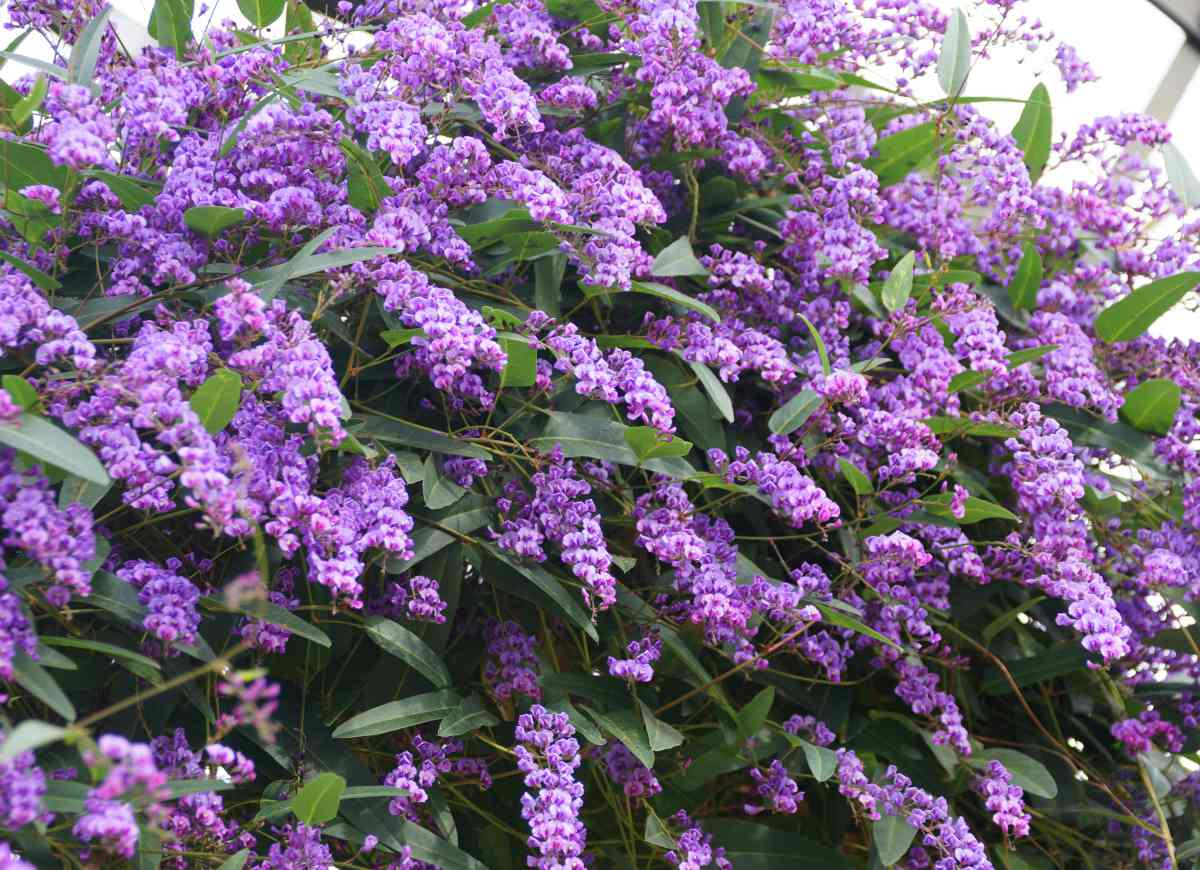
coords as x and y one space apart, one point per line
892 834
398 641
81 68
431 540
32 101
318 799
1035 130
581 435
20 391
750 846
900 153
46 442
25 164
1151 405
396 715
33 678
520 370
753 716
37 276
1179 173
547 584
859 482
649 443
819 343
662 291
1028 773
659 734
104 649
212 220
27 735
547 283
272 613
842 619
957 427
1131 316
1062 659
822 761
216 400
260 13
1007 618
655 832
898 286
171 24
793 414
1118 437
470 715
183 787
429 847
1027 280
715 389
236 861
954 61
439 490
365 792
626 726
393 431
130 191
1020 357
677 259
976 509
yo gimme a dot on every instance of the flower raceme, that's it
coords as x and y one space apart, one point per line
589 433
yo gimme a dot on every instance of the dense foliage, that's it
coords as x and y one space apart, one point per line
589 433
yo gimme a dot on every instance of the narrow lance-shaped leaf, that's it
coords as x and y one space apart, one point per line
1023 289
898 286
1129 317
46 442
1034 131
1151 405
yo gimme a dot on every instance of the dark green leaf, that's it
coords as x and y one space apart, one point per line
751 846
318 799
46 442
171 23
892 835
439 490
753 716
1056 662
427 846
365 792
398 641
547 584
822 761
1028 773
1023 289
183 787
819 344
842 619
261 12
272 613
104 649
715 389
469 716
900 153
662 291
37 276
859 482
216 400
132 192
547 283
428 541
1129 317
626 725
1034 131
898 286
1152 404
677 259
397 715
411 435
32 101
792 415
581 435
655 833
33 678
954 61
212 220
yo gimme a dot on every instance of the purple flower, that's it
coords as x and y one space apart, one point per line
22 785
1004 800
639 667
548 754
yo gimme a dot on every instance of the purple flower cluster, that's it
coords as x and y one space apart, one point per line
1004 800
635 779
639 667
170 600
548 754
512 666
22 785
108 816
